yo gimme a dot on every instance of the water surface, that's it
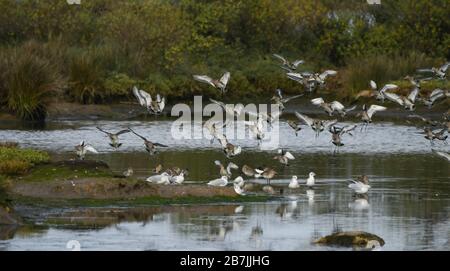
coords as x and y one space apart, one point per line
408 205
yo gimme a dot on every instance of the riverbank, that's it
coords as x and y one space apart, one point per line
92 184
130 111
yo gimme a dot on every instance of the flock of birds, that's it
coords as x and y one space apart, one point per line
432 130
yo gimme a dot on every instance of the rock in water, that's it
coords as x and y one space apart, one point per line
356 239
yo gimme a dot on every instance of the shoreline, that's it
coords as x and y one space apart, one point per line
92 184
125 112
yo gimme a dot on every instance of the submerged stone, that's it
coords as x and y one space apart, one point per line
356 239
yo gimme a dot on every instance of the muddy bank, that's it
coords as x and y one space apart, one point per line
114 188
130 110
92 183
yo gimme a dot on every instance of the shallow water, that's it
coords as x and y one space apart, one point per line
408 205
62 136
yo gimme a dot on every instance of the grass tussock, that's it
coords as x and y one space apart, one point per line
16 161
29 82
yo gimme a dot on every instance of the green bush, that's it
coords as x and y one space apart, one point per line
104 47
118 85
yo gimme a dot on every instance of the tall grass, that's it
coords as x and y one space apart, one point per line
382 69
28 82
86 77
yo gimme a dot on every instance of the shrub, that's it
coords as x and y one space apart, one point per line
118 85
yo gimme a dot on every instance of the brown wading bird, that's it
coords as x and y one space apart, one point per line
378 94
226 171
332 107
425 120
157 169
280 100
294 125
150 147
267 173
283 157
434 96
336 135
406 101
317 125
114 137
220 84
153 106
431 135
367 113
440 73
229 149
287 65
248 171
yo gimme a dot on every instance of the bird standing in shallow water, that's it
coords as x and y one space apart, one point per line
360 185
283 157
267 173
226 171
248 171
293 184
310 182
223 181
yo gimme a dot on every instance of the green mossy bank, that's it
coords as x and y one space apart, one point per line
91 183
